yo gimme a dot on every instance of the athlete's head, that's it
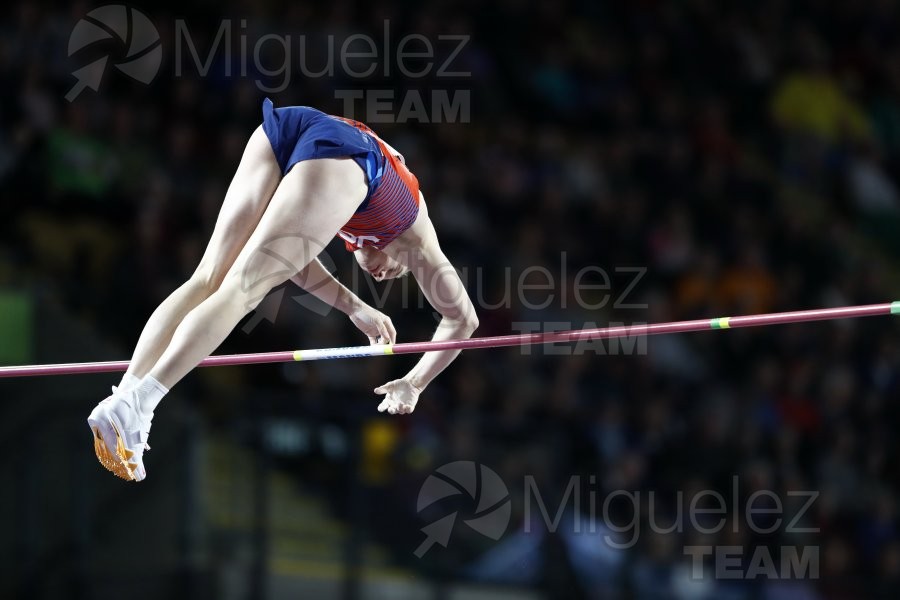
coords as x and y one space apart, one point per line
378 264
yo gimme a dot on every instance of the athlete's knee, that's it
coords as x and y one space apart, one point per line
271 263
257 272
207 278
245 290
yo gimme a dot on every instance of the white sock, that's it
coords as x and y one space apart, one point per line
129 382
149 393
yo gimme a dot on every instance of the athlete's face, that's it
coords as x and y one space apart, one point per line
379 265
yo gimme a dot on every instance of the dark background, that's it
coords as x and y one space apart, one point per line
743 155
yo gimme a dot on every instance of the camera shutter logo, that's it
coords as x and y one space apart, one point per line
477 482
141 53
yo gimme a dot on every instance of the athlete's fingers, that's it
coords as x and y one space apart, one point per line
387 333
372 340
391 331
382 331
382 389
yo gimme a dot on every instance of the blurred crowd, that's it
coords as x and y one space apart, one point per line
711 158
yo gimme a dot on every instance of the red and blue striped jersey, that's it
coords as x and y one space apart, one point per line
390 209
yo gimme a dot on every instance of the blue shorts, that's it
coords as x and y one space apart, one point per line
299 133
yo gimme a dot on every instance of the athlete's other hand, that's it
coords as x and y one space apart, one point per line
375 324
400 398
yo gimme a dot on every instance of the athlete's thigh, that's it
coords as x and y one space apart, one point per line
248 195
311 203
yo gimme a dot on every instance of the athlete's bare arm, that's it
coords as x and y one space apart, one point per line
444 290
316 280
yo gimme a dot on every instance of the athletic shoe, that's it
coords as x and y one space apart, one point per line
120 434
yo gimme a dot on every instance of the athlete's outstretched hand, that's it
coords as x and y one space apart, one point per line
400 397
375 324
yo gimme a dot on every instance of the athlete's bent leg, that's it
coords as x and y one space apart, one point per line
308 207
247 197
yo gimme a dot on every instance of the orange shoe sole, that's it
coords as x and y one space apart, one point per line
116 463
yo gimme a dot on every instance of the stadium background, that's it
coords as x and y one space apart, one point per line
745 154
